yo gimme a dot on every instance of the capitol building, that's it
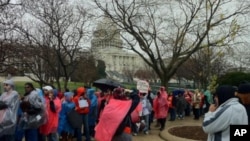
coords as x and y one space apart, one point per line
108 46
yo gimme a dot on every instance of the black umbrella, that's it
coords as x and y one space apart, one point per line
105 84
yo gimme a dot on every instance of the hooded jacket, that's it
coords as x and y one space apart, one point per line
217 124
80 95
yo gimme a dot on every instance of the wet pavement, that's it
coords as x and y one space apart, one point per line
156 135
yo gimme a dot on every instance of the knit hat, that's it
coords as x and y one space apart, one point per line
224 93
244 88
9 82
48 88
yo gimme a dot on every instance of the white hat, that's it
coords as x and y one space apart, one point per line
9 82
48 88
128 90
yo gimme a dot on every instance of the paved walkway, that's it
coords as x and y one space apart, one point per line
157 135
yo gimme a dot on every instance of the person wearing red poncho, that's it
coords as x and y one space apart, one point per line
115 121
161 107
53 108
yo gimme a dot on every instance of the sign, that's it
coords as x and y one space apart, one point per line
142 86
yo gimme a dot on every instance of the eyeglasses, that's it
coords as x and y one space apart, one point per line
6 84
26 87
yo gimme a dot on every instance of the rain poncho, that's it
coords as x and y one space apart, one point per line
33 120
92 116
112 115
52 117
209 96
67 106
161 106
8 116
137 113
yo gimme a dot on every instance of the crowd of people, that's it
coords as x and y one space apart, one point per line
115 114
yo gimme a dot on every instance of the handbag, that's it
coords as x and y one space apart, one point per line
74 119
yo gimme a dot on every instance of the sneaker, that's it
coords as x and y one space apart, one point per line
134 134
146 132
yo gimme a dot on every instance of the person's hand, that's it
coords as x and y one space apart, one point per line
51 96
212 107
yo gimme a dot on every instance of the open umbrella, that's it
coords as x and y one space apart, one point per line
178 91
104 84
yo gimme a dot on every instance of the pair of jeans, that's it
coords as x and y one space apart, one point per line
7 138
19 134
50 137
31 134
86 129
134 128
146 118
196 113
188 110
172 114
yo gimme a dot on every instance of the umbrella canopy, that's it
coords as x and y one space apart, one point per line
105 84
178 91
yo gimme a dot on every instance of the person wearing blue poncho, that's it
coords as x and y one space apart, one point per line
92 116
64 127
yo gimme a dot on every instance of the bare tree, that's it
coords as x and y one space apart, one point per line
166 33
147 73
202 66
129 73
8 17
55 31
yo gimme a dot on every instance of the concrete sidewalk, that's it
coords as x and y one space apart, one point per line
156 135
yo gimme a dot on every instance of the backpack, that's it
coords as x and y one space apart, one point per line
74 119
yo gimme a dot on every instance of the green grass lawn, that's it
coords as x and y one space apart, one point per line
19 86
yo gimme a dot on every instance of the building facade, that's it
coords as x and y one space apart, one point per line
107 45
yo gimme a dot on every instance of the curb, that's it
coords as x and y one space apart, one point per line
166 136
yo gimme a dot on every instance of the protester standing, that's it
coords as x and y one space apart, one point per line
33 112
82 107
53 108
92 115
226 111
65 130
196 101
9 102
161 107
